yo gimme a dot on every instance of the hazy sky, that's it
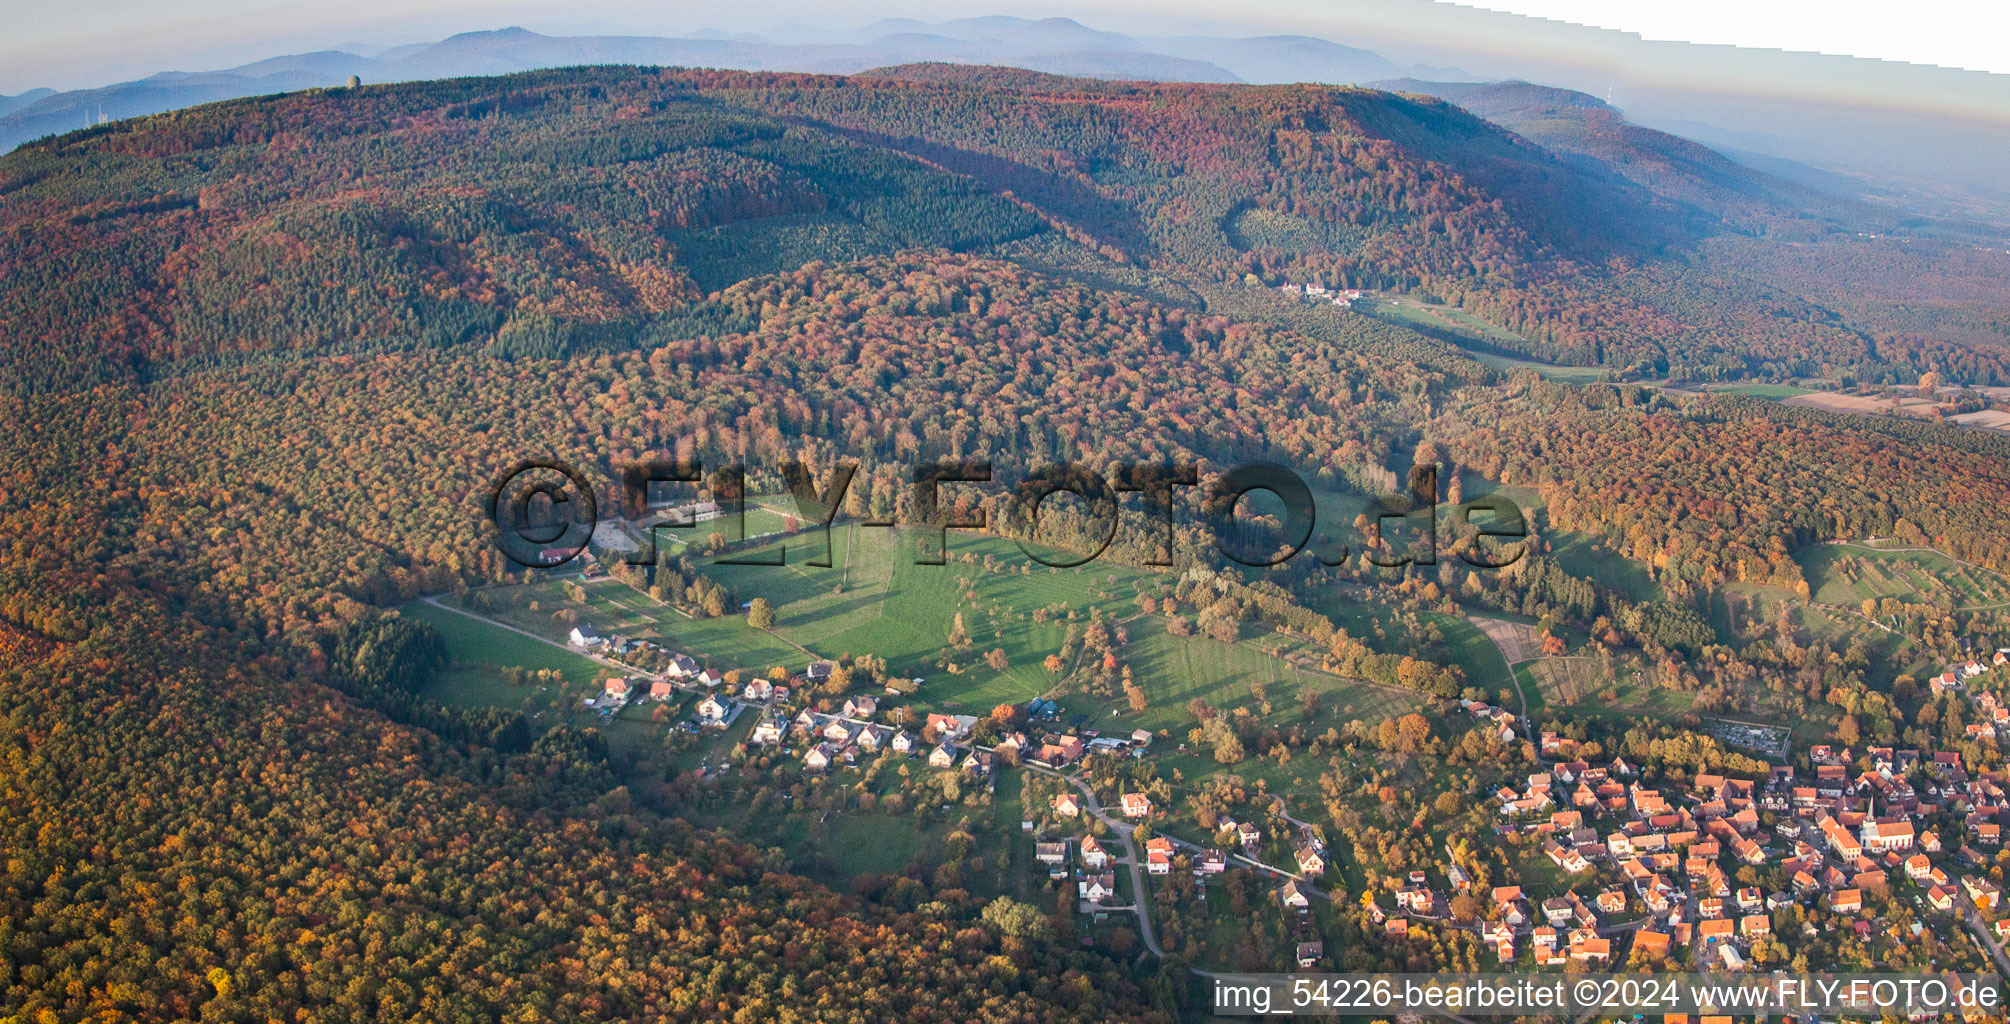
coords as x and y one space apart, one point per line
1971 34
94 42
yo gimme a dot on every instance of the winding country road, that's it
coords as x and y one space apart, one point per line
1132 860
1141 905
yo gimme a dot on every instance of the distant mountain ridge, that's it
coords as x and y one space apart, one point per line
1269 60
1056 46
1580 125
1923 164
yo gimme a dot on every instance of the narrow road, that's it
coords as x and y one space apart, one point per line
1131 859
1981 934
434 600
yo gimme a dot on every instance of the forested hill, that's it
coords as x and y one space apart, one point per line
591 209
1583 126
554 211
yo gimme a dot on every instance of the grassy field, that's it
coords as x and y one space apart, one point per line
1586 557
479 651
1175 670
1376 624
1476 336
475 643
1563 681
1743 605
724 643
1847 574
875 599
1581 685
1475 485
1472 651
1773 391
1580 554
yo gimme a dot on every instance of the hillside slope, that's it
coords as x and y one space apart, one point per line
564 210
588 209
1577 124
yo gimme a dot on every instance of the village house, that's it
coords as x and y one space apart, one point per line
1611 901
818 758
1558 911
1981 891
712 711
693 513
1057 751
1417 900
1094 857
1918 868
942 756
874 738
1066 806
1545 947
1651 945
585 636
1250 837
948 728
1590 949
1099 888
1309 861
1136 805
1292 897
770 729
